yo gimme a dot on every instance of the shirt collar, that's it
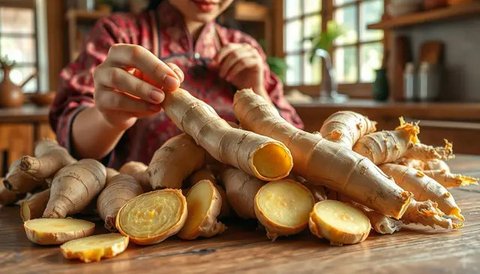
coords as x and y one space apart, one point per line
171 21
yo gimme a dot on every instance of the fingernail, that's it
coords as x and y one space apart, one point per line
170 82
157 96
155 107
179 73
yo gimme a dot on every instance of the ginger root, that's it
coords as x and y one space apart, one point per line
137 170
339 222
174 161
153 216
204 205
241 189
423 187
74 187
346 127
117 193
48 231
34 206
19 181
8 197
94 248
320 161
282 207
49 158
257 155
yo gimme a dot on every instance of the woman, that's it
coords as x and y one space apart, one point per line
109 102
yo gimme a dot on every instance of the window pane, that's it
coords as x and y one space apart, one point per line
347 20
312 74
291 8
346 64
312 27
21 50
17 20
293 36
310 6
20 74
370 60
370 12
294 63
341 2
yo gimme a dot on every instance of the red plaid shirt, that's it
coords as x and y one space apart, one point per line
163 33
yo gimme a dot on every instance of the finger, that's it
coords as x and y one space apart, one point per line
241 65
232 59
127 56
112 100
120 79
177 71
226 51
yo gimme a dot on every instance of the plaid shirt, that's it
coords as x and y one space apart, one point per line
164 33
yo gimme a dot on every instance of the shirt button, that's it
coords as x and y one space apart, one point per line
196 55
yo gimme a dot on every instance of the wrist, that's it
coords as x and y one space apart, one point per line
114 124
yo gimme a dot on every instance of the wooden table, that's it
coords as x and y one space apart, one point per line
245 248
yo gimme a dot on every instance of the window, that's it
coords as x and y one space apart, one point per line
356 54
18 40
302 19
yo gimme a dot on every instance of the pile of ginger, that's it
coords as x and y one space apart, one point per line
340 182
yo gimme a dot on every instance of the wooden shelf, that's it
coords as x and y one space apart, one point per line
443 14
249 11
85 15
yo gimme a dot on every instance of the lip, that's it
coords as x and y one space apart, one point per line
205 6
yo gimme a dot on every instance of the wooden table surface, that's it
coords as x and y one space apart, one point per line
244 248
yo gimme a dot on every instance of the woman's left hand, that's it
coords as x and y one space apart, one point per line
242 66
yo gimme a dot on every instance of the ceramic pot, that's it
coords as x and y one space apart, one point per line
11 95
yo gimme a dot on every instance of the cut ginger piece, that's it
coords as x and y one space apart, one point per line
94 248
204 205
54 231
153 216
339 222
282 207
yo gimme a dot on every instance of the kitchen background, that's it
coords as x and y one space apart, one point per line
416 58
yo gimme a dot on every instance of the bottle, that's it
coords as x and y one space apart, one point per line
428 81
409 82
380 86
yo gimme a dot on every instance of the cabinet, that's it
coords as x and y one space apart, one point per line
20 128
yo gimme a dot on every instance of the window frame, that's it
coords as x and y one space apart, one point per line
26 4
354 90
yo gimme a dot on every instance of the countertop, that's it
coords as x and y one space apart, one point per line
243 247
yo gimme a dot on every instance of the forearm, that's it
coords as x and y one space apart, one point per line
92 135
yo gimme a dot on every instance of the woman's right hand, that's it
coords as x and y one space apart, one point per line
130 84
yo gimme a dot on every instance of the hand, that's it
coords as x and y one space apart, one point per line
242 65
131 83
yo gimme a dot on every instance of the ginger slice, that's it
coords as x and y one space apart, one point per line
152 217
53 231
94 248
339 222
282 207
204 205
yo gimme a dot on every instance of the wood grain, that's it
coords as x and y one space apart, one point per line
245 248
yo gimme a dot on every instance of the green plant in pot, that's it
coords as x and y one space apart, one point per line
11 95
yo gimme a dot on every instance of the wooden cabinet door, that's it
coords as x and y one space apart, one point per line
16 140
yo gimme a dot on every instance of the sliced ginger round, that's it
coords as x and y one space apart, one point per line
52 231
339 222
94 248
272 162
204 205
283 207
152 217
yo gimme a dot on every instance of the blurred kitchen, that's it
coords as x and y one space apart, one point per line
413 58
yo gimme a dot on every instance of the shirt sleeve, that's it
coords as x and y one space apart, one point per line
274 86
76 88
